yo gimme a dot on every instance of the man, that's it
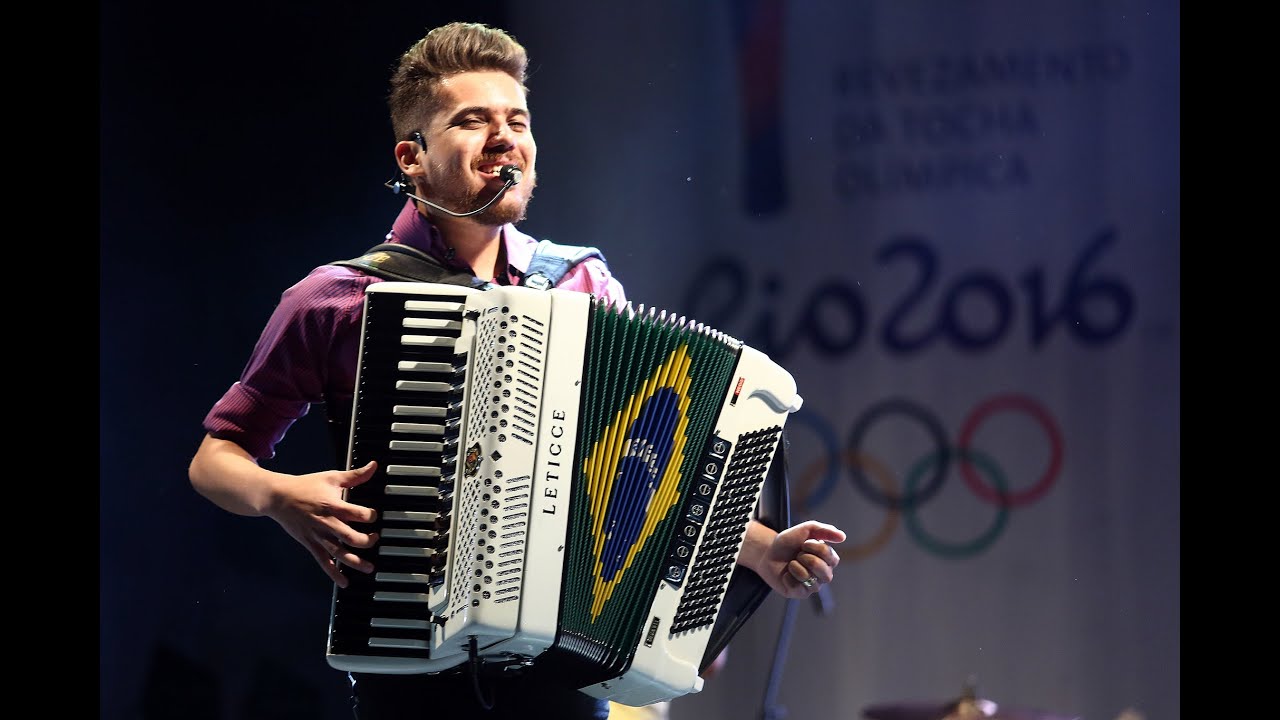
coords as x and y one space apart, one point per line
459 113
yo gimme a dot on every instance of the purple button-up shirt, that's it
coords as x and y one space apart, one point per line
308 351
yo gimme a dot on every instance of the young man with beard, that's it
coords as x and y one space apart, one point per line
459 114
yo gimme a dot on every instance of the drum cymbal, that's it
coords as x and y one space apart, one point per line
965 708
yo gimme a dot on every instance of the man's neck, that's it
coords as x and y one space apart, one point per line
477 245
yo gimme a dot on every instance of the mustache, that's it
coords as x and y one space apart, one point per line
494 156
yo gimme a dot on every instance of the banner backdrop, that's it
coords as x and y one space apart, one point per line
957 225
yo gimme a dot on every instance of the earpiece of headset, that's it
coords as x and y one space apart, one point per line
402 184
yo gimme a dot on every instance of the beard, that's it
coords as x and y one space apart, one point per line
509 209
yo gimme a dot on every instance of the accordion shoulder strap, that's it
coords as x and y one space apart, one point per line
396 261
552 260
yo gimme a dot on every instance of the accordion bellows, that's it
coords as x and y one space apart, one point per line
560 483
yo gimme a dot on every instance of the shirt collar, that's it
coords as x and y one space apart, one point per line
413 229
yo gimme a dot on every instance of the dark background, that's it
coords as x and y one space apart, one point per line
241 145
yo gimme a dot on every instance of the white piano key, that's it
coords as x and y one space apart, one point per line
410 533
426 323
403 551
391 596
428 305
417 428
401 623
418 410
415 490
410 515
423 366
413 470
427 340
416 445
402 643
423 386
417 578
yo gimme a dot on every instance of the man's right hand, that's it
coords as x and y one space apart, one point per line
311 509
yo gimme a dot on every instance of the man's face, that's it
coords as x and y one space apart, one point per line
482 125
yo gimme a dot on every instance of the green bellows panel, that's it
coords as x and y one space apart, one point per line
653 386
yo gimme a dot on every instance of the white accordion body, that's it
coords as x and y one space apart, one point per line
558 482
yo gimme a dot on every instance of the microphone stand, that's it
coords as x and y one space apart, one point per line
822 605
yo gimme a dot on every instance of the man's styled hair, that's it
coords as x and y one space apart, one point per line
444 51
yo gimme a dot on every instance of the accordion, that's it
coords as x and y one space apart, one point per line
560 482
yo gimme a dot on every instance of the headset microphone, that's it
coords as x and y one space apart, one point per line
509 174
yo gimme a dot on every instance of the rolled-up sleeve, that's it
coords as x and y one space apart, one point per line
306 354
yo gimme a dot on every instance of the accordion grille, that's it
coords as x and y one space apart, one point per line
723 535
506 384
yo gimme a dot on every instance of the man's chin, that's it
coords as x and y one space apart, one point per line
505 212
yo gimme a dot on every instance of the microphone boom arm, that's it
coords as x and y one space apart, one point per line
510 173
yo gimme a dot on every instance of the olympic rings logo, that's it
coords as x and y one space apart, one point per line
926 476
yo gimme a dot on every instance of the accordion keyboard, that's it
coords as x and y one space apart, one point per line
451 391
410 395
